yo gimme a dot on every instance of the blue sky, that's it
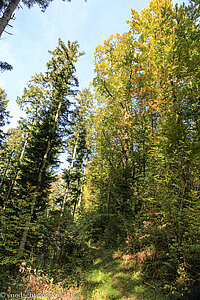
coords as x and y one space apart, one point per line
35 32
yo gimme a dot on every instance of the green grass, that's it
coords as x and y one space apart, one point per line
115 280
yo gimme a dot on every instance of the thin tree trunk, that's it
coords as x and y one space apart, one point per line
108 194
18 166
4 20
144 158
16 173
81 192
70 172
44 161
82 186
25 233
125 158
75 204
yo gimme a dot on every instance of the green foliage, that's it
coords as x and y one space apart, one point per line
147 132
4 66
132 181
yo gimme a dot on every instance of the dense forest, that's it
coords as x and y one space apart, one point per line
121 221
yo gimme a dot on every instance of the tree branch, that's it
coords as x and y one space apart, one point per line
4 20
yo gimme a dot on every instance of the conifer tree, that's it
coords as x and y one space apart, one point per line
46 141
47 104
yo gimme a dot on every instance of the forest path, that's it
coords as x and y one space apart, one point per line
111 277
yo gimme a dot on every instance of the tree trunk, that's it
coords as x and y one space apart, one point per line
108 193
4 20
16 172
27 226
82 186
75 204
70 172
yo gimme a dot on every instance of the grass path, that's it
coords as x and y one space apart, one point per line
111 278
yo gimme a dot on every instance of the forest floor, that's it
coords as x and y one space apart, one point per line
111 277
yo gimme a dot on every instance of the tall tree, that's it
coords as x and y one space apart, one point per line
47 126
121 123
34 101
